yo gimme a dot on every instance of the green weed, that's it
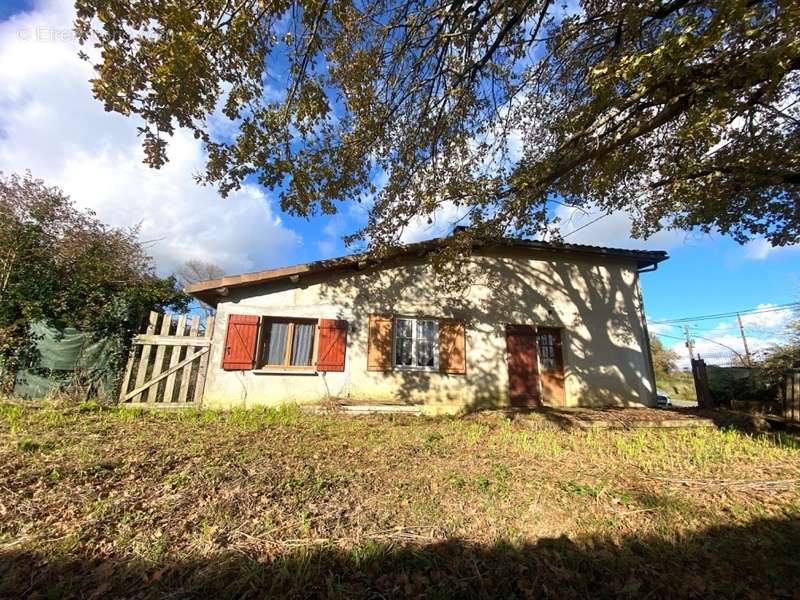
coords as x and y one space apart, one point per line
11 414
89 406
28 446
367 553
588 490
431 441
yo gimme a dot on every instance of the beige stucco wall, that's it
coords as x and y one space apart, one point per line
596 303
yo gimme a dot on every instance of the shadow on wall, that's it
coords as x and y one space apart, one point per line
596 307
756 560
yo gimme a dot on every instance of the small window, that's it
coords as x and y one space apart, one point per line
548 351
288 343
416 344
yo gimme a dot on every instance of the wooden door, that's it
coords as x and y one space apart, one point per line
523 369
551 365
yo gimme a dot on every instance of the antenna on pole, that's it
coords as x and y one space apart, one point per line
744 341
689 342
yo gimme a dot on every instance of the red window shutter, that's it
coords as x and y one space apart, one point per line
332 345
240 343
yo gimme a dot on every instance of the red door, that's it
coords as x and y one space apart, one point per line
523 366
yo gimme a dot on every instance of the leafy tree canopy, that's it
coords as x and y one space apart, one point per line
63 266
664 359
684 113
786 355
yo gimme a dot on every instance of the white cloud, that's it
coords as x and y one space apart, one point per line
51 124
613 230
326 248
719 349
442 221
761 249
721 342
776 319
757 249
331 244
721 345
656 328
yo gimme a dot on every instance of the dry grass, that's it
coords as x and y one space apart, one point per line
678 384
279 502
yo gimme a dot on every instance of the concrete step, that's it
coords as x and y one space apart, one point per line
380 408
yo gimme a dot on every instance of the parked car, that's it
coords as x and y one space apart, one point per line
663 399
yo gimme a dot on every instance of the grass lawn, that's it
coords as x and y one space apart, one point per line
678 384
116 503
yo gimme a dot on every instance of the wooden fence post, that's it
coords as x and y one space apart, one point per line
790 390
144 361
704 399
158 365
174 359
186 373
203 367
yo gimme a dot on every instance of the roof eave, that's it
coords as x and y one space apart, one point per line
212 290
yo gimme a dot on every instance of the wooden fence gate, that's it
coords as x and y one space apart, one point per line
789 396
168 369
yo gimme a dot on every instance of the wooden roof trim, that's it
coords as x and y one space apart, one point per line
259 276
209 290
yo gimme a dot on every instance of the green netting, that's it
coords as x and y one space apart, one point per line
64 355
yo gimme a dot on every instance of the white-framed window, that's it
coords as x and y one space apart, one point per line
416 344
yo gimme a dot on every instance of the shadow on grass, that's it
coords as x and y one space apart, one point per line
756 560
781 433
619 417
574 419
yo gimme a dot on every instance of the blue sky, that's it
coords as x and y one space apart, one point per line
14 6
50 124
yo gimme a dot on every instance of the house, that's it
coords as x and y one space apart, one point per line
526 323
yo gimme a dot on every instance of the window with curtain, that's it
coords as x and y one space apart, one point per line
288 342
416 344
547 351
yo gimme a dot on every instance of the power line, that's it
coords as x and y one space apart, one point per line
750 311
689 342
672 337
744 339
603 216
716 330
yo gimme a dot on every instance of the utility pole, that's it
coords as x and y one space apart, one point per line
744 341
689 342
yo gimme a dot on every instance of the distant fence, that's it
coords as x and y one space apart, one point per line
723 358
747 389
789 396
167 369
